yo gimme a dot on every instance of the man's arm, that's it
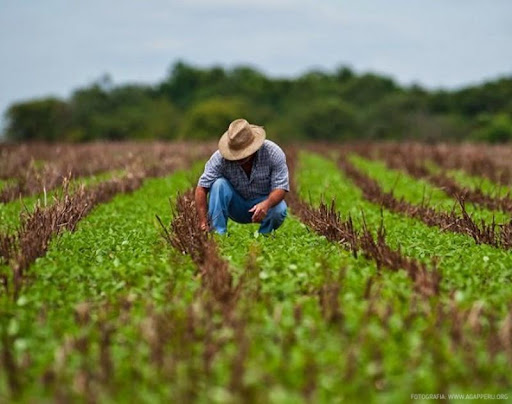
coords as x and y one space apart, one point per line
260 210
201 206
212 171
279 185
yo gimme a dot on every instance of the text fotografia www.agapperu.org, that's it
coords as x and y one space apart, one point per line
455 396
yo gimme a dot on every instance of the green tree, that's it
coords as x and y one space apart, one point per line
121 113
45 119
367 89
494 129
184 81
210 118
330 119
199 103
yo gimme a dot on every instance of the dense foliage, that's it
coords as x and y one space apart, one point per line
194 103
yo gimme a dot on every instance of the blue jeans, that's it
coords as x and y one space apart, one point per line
226 203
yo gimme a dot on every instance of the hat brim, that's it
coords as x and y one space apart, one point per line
230 154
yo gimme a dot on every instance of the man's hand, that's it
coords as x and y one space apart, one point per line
200 197
204 226
259 211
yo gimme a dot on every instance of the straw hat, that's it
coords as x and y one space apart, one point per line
241 140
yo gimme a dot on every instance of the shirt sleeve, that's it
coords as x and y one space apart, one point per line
279 171
212 171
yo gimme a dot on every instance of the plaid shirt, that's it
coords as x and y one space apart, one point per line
269 172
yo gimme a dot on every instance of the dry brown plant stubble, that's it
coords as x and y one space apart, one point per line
327 221
39 227
411 159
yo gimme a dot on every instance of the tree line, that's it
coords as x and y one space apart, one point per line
198 104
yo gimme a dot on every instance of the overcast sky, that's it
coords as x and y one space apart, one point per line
50 47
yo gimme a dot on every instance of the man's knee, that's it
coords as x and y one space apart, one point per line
221 192
221 187
274 218
279 211
220 183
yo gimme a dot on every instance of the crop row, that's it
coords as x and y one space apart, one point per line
115 309
410 160
12 212
468 328
417 197
113 261
39 226
115 314
44 223
492 162
421 192
185 236
473 333
478 269
326 220
33 169
492 234
410 234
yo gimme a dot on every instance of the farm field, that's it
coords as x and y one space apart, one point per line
390 277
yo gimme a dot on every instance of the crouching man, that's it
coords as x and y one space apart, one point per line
247 179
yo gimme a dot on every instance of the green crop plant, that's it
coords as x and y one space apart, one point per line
419 191
116 251
10 212
484 184
474 272
114 313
